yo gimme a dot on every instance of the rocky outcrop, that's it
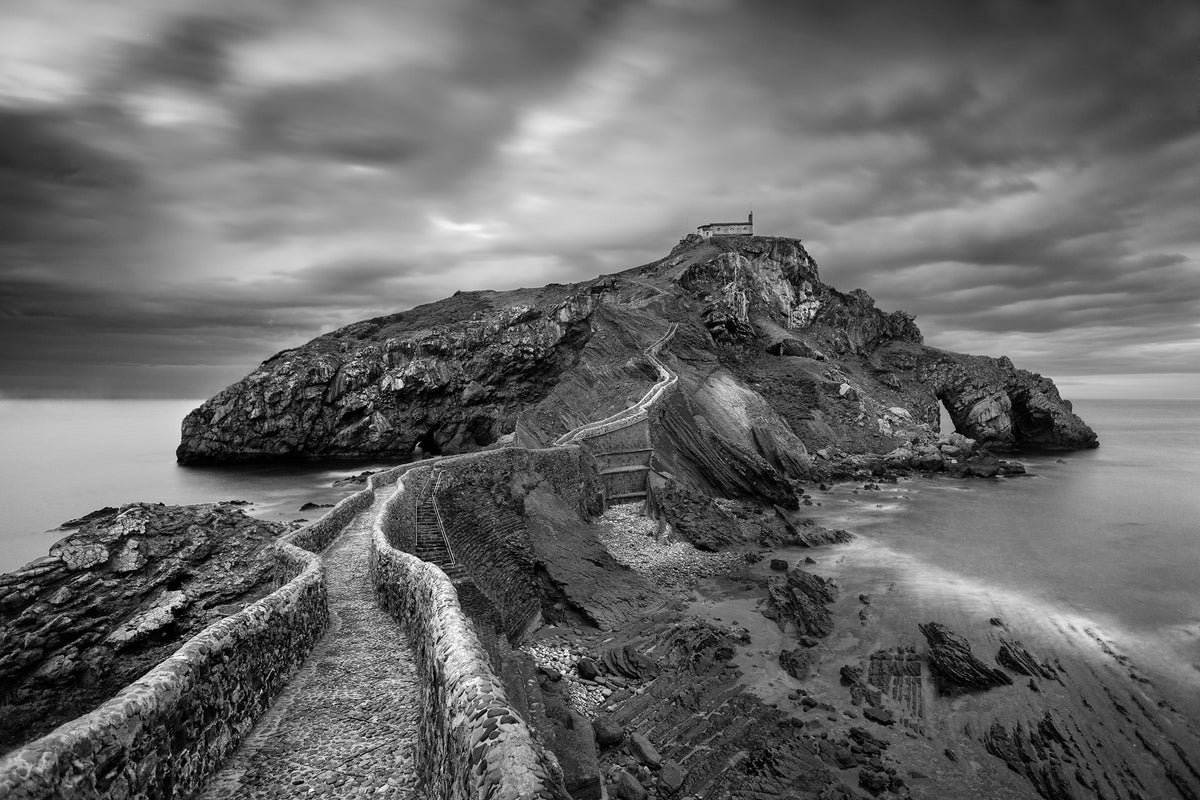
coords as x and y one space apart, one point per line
775 278
1003 407
772 365
802 599
115 598
695 517
953 665
447 377
1038 752
1012 654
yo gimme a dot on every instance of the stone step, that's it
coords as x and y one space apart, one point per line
627 496
633 468
624 452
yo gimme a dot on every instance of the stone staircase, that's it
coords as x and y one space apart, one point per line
622 480
621 443
429 534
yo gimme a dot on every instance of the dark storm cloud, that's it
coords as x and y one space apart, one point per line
52 184
192 51
205 188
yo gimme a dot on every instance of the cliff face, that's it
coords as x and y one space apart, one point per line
780 376
452 377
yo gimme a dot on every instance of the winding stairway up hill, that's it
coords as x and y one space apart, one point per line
770 366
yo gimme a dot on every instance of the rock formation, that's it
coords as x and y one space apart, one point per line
802 599
956 669
774 368
115 598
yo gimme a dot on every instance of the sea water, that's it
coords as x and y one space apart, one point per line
1107 537
1101 542
60 459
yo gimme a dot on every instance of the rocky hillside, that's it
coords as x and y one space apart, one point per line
780 377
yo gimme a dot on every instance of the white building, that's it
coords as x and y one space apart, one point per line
722 228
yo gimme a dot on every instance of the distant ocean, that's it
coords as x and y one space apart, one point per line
1108 536
60 459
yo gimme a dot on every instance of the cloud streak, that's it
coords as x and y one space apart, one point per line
183 193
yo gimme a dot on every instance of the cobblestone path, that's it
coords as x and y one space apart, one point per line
345 725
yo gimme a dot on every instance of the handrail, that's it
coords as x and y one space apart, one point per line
416 510
666 379
438 512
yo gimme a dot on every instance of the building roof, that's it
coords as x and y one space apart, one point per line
722 224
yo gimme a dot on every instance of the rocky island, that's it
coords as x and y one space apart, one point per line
780 366
599 571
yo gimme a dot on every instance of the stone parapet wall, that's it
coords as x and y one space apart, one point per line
165 733
484 528
633 437
637 412
316 536
472 743
491 541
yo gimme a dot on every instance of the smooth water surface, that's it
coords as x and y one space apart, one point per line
61 459
1105 540
1109 535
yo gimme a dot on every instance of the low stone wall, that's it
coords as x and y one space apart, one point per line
167 732
472 743
316 536
164 734
637 412
484 529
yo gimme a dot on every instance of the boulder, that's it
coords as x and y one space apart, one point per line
797 663
608 731
628 787
779 565
882 716
671 778
644 751
587 669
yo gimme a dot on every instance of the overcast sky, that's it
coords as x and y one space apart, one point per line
188 187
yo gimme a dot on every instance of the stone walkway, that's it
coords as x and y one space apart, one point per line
345 725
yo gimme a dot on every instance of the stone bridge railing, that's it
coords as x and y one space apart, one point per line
167 732
472 743
639 410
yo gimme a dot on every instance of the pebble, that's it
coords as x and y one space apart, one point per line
583 695
633 540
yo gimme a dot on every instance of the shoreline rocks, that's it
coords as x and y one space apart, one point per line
953 665
116 597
